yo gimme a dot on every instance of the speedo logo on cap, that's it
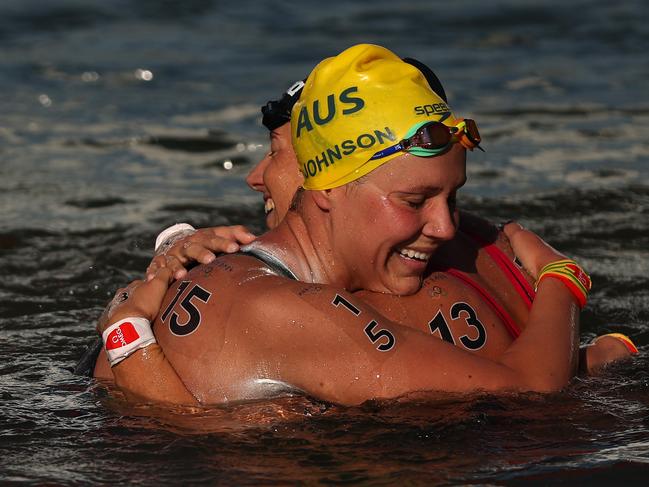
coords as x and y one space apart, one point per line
347 103
432 108
122 336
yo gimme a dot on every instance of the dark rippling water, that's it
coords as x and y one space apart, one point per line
119 118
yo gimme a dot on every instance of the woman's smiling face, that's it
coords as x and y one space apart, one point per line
277 176
386 226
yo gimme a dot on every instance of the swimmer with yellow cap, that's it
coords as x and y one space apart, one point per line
364 107
279 316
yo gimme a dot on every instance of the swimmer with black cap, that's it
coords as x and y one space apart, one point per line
314 335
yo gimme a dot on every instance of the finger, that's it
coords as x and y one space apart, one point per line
200 253
222 245
157 262
236 233
203 249
162 277
242 234
156 288
511 228
177 269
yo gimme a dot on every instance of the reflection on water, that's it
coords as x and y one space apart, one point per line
120 118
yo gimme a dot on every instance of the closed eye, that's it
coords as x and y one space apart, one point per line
415 202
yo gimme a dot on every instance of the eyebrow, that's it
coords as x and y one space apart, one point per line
431 189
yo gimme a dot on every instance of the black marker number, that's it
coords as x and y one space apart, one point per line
376 336
439 323
181 288
472 320
194 320
338 299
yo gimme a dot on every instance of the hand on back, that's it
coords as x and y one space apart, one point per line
201 247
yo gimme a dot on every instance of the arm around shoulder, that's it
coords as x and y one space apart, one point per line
145 373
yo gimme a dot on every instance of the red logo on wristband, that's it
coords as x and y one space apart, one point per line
122 336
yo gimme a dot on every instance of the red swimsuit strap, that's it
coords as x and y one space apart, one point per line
509 322
509 269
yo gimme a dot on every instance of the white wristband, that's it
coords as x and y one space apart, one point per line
172 231
126 336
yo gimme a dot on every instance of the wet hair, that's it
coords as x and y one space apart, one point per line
276 113
296 202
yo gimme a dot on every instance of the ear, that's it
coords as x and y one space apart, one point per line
323 198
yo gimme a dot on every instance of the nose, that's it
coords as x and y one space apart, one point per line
255 178
441 223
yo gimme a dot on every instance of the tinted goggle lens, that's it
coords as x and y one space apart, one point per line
434 135
437 136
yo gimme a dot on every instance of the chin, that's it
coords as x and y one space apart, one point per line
402 286
271 220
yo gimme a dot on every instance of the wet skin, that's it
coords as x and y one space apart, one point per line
479 329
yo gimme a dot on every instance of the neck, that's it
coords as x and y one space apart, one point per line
302 241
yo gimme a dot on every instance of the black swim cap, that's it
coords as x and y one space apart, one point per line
278 112
433 81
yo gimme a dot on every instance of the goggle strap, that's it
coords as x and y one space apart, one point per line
387 151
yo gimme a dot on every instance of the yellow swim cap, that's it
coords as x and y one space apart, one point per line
354 105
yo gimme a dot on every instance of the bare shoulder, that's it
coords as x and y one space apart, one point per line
197 310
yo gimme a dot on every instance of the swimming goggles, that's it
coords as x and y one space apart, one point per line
433 138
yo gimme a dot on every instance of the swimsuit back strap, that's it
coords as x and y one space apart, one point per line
508 268
502 313
271 261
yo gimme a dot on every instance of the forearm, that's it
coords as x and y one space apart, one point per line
148 375
546 354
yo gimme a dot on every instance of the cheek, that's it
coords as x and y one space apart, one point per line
386 223
272 180
397 219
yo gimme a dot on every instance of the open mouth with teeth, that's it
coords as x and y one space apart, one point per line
269 205
415 255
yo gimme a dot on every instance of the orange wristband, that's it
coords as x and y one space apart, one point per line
571 275
624 339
